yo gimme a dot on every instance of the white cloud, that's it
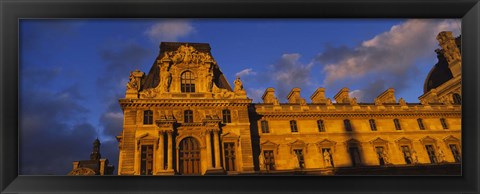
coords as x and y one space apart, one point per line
169 30
245 72
393 52
356 94
288 73
255 94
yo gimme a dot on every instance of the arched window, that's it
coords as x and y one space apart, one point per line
293 126
397 124
226 116
457 99
321 127
188 116
444 123
347 124
187 82
264 126
373 126
420 124
147 117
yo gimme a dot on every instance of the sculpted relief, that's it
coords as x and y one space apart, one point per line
187 54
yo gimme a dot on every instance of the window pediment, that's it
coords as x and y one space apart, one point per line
427 139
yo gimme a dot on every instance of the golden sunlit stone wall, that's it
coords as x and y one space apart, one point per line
311 140
259 137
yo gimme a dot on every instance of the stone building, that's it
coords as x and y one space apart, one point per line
184 118
95 166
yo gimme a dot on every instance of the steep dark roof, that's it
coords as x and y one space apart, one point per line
440 73
153 77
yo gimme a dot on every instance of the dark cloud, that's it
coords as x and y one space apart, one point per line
288 73
53 132
333 54
112 120
119 59
38 76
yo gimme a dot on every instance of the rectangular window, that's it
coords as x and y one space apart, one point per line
147 117
300 159
397 124
264 127
293 126
355 156
229 155
146 167
269 159
444 123
226 116
431 153
455 152
420 124
347 125
406 154
188 116
380 154
321 127
373 126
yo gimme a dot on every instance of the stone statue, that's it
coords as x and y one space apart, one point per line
209 81
295 160
441 155
329 102
132 84
261 162
238 85
168 81
354 101
385 157
414 157
327 158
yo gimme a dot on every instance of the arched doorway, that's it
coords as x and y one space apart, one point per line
189 156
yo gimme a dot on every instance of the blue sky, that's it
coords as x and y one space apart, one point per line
72 72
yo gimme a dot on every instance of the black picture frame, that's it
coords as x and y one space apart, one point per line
11 11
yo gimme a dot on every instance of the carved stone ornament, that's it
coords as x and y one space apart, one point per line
82 172
238 89
132 83
149 93
187 54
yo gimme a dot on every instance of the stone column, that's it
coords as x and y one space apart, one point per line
170 153
217 148
209 149
161 153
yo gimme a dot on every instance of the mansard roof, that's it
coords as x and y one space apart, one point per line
152 79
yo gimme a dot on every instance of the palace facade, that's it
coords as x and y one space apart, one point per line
184 118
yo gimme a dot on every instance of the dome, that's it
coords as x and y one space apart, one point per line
439 74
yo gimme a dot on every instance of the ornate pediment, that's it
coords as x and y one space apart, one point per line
326 143
83 171
427 139
352 142
297 143
269 144
188 55
379 141
451 139
404 140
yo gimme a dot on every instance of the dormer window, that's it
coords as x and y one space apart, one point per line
187 82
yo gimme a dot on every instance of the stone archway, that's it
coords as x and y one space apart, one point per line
189 157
